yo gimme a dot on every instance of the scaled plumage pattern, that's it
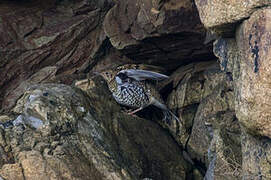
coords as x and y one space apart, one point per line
132 88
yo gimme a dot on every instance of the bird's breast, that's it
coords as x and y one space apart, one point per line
132 95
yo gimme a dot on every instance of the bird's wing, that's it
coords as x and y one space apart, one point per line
141 75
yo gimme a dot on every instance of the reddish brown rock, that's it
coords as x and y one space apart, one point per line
166 33
44 75
70 36
67 35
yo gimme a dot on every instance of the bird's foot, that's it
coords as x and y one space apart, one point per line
130 112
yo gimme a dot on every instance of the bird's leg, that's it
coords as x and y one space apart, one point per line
129 110
133 112
125 110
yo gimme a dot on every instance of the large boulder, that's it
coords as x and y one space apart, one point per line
61 132
223 16
247 59
254 90
167 33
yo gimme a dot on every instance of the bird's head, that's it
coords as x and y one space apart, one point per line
108 75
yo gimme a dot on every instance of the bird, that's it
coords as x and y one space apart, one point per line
133 88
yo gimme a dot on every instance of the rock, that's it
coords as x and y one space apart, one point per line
79 137
211 132
188 82
5 151
224 152
246 59
44 75
142 30
253 94
256 153
223 16
72 37
215 136
229 56
12 171
64 34
59 121
140 20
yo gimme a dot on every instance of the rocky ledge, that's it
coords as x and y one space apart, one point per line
59 121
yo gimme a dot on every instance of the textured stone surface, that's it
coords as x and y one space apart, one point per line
254 85
67 134
12 171
71 35
157 32
140 20
246 59
223 16
71 134
46 74
188 92
256 153
215 136
204 98
64 34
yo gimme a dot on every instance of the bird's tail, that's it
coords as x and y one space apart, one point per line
168 115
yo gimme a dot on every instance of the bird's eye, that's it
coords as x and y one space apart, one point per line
122 76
